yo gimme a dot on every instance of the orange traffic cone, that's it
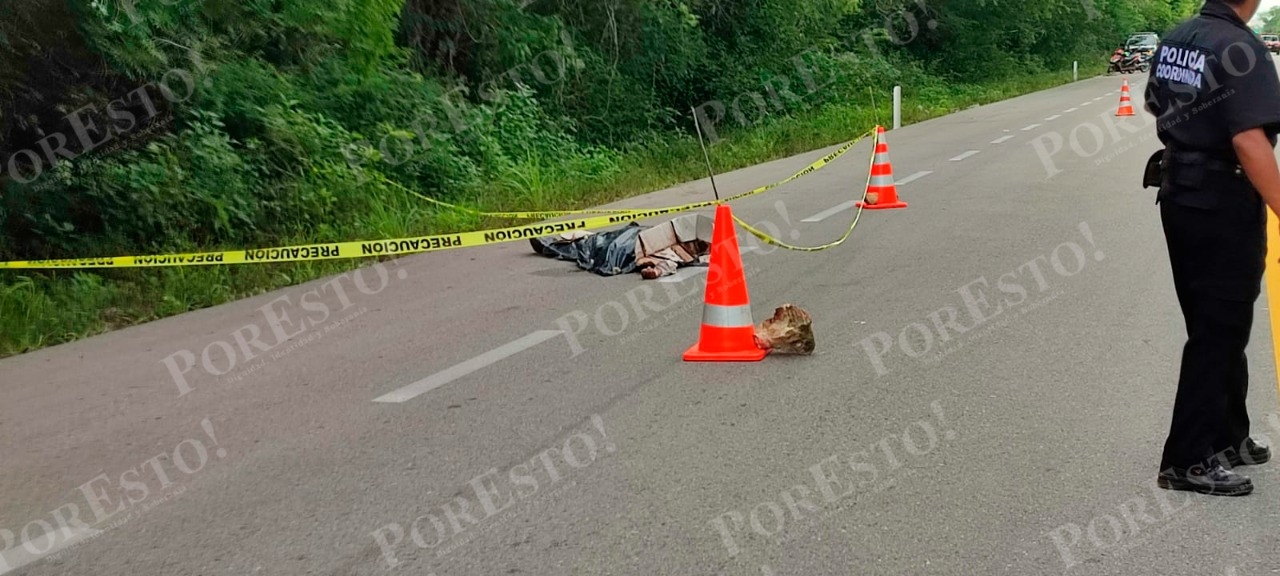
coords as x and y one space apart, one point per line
882 193
728 334
1126 103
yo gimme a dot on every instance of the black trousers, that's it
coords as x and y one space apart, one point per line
1216 236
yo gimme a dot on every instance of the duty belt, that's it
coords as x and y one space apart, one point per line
1208 160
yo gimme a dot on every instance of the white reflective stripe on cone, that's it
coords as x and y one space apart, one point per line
726 316
882 181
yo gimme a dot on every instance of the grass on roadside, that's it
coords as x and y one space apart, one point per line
40 309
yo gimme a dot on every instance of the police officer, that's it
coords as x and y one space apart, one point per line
1216 95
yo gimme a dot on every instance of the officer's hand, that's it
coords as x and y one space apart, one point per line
1258 159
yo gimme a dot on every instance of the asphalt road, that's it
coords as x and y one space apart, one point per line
993 382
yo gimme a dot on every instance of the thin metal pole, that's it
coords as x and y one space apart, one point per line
874 110
897 107
705 156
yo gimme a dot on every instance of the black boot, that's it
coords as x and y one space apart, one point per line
1251 455
1213 480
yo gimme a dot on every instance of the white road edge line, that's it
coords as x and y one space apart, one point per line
965 155
1052 118
459 370
1031 127
1002 139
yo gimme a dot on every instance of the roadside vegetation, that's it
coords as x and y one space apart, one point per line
158 126
1270 21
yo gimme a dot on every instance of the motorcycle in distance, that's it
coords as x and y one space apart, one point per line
1127 61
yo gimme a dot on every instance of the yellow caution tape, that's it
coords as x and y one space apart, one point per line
767 239
418 244
818 165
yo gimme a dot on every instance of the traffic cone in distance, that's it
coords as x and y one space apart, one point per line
728 333
882 193
1126 103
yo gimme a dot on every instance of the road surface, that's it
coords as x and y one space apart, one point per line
993 381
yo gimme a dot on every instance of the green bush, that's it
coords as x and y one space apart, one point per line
315 122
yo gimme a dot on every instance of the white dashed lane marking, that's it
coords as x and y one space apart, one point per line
914 177
459 370
829 212
965 155
1031 127
683 274
49 543
823 215
1070 110
1002 139
1052 118
411 391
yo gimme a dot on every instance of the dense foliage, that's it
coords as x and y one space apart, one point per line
1270 21
156 125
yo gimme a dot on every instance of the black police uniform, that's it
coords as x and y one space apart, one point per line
1212 78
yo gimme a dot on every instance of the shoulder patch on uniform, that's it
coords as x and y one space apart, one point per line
1181 65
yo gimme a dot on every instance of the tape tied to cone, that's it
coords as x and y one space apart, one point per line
589 220
727 333
882 192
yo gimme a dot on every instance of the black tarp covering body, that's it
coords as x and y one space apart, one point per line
607 253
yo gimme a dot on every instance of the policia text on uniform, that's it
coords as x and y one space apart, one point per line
1216 95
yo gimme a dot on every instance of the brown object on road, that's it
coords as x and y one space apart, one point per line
788 331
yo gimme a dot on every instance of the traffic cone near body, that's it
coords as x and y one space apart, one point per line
728 334
882 193
1126 103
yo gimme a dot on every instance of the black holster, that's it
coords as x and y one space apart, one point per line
1196 178
1153 175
